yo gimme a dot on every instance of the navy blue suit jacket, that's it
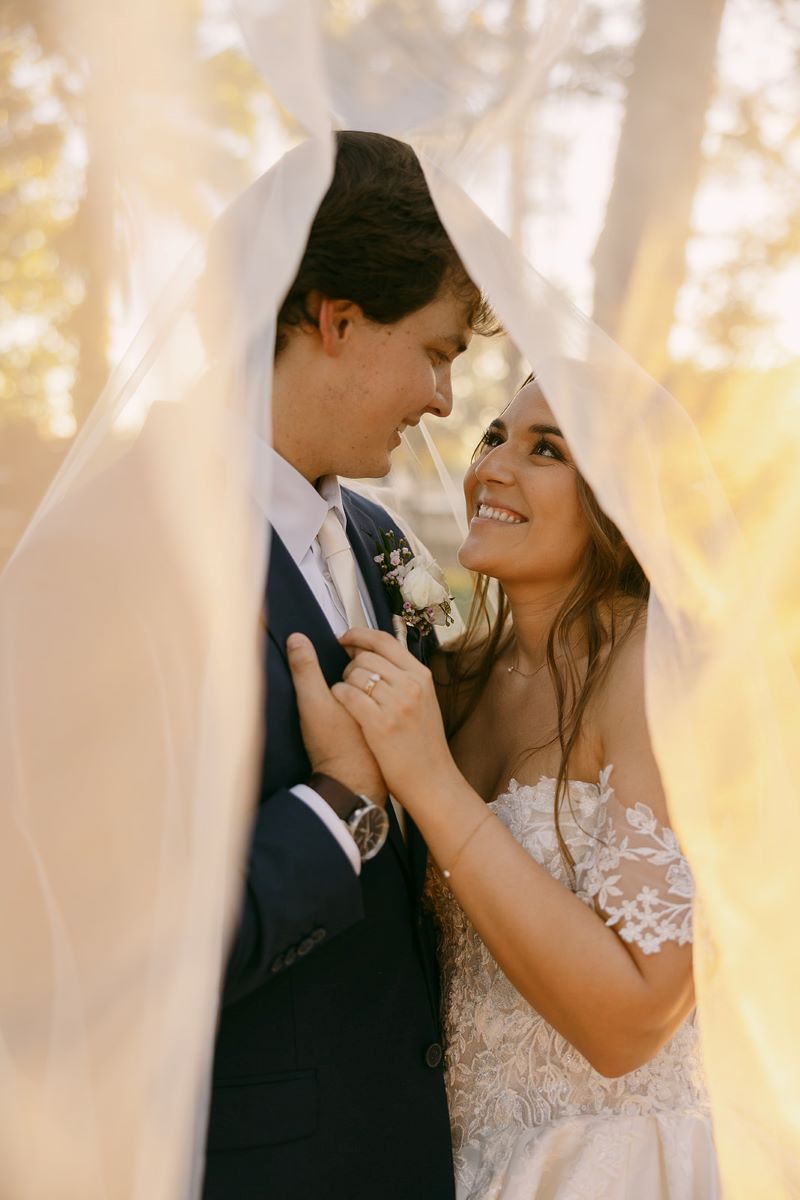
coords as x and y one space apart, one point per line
328 1081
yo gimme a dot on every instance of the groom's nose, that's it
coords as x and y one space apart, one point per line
442 403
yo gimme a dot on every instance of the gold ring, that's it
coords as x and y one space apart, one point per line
369 686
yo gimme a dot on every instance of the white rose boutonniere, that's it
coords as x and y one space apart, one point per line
424 587
418 591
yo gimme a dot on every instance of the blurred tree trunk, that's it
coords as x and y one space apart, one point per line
639 259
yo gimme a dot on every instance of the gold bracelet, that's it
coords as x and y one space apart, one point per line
446 871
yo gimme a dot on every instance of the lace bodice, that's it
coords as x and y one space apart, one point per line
507 1069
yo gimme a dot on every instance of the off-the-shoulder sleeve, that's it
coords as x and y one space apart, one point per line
638 878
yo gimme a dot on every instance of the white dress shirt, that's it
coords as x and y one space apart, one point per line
296 510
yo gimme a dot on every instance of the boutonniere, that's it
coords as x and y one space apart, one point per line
418 593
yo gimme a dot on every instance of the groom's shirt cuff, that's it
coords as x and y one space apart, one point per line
335 824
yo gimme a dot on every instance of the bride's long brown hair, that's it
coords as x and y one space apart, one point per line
602 608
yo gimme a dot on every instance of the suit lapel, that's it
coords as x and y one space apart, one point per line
363 535
292 608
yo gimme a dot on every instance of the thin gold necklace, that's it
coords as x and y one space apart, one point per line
526 674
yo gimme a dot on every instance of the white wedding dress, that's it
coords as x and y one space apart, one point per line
531 1119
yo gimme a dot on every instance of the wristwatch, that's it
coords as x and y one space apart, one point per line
367 822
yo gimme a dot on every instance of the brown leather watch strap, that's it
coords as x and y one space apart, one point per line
343 802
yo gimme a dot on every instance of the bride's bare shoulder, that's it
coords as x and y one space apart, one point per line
621 718
625 674
618 700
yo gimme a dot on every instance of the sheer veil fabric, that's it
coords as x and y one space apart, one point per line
130 701
131 695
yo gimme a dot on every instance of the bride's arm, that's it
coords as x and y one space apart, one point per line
613 1001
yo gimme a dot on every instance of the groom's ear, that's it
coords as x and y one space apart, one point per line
335 321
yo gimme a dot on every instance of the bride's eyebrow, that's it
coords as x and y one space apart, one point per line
551 429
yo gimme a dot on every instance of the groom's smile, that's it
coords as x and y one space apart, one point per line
397 435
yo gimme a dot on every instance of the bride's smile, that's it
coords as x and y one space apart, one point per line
489 511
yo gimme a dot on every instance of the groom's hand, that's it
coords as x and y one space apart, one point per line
333 739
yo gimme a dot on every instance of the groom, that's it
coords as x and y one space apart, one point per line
328 1078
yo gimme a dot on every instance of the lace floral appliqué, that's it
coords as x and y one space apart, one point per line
639 879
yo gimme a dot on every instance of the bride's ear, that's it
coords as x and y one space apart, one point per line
335 321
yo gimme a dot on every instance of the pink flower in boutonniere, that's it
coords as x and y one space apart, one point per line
418 593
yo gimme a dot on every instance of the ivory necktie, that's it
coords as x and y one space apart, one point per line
338 555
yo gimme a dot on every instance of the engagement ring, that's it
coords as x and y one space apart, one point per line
370 684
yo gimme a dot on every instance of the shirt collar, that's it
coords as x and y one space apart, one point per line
297 509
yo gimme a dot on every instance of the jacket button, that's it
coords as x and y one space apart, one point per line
306 946
290 956
433 1055
318 936
277 964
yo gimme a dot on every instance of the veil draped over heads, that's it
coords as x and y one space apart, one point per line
632 157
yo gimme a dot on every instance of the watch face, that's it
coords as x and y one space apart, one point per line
369 827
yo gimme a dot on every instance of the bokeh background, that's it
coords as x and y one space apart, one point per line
656 184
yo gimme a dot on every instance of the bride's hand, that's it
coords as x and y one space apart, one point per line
392 696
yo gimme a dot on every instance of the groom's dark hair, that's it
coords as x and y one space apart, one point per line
377 241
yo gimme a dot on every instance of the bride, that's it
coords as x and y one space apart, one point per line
562 897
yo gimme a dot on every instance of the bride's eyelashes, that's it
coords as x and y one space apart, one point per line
543 447
547 449
489 439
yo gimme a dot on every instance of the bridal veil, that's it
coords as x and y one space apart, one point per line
130 682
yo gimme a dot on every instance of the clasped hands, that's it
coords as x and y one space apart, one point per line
379 730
